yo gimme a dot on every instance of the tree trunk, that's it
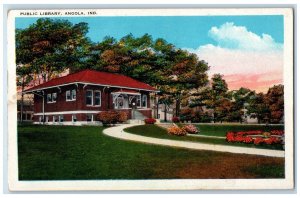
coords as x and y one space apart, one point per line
177 107
165 113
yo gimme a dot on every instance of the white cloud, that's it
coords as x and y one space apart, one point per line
228 61
238 37
240 52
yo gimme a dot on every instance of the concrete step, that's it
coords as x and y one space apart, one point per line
138 115
135 121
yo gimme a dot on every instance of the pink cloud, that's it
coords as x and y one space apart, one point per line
258 82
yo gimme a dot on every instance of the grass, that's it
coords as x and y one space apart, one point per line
222 129
85 153
159 132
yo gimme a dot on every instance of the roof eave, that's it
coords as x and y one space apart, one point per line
49 87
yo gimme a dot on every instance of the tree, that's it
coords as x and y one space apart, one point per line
218 96
156 62
50 46
240 98
268 107
23 78
258 107
275 102
222 110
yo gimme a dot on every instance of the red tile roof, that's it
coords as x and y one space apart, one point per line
95 77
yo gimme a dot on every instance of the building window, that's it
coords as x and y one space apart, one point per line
74 118
54 97
97 98
71 95
68 95
89 97
61 118
74 94
89 117
47 118
55 119
144 101
119 103
138 101
51 97
41 118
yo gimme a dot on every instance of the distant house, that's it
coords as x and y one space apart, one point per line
25 112
78 97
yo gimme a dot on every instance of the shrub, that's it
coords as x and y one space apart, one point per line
190 129
122 116
150 121
111 117
175 130
175 119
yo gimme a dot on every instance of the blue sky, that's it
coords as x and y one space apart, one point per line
247 50
182 31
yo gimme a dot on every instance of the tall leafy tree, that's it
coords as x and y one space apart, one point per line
259 108
173 71
275 102
218 96
240 99
50 46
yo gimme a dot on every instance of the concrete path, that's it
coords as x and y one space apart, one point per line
118 132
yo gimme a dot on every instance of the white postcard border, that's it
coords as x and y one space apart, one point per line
169 184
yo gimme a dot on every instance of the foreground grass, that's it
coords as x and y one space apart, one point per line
159 132
81 153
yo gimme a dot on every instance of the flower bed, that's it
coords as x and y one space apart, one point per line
256 137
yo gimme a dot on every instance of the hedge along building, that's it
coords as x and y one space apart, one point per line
77 98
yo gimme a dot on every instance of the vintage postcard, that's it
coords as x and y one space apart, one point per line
150 99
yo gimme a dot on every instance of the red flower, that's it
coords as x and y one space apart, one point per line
258 140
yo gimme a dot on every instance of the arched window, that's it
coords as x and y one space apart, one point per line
144 101
119 103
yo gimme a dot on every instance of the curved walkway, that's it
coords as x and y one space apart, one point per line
118 132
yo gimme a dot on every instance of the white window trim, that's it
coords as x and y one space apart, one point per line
98 91
59 118
91 96
116 102
140 98
68 91
54 101
49 101
92 118
71 96
73 99
146 101
73 115
51 94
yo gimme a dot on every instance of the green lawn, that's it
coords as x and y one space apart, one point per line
222 129
84 153
159 132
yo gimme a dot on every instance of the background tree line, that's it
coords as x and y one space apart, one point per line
50 47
